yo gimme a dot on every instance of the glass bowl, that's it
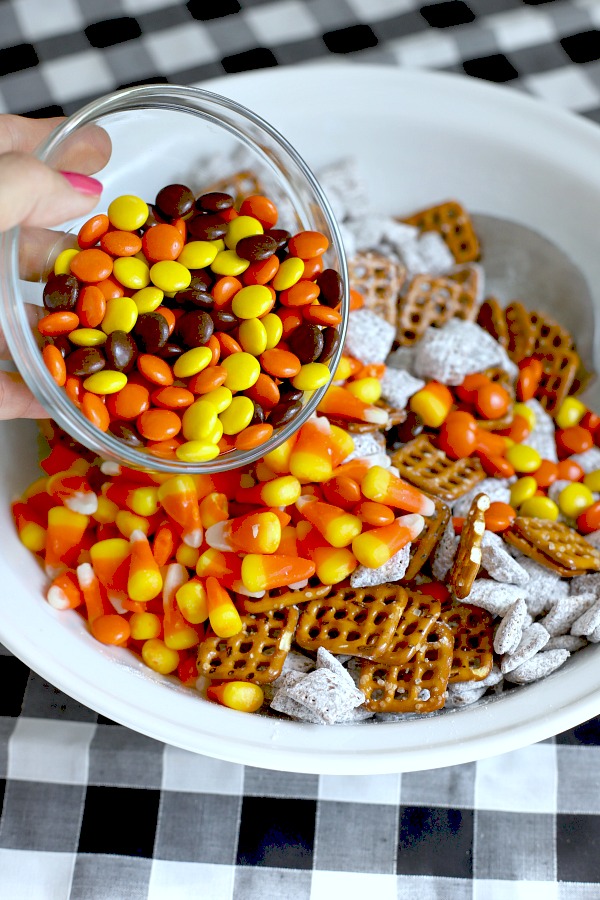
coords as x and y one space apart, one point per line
165 134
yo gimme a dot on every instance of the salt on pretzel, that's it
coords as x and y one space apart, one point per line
467 560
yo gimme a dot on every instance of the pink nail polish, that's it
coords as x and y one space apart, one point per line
83 183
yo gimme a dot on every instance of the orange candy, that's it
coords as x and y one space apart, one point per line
111 629
569 470
492 401
95 411
306 244
262 272
589 520
264 391
530 375
91 306
158 424
302 293
280 363
128 403
162 242
321 315
225 290
547 473
92 230
155 369
253 436
121 243
207 380
499 516
54 362
261 208
110 288
459 435
92 265
57 323
172 397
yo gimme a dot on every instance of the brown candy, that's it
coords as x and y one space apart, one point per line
256 654
467 559
238 185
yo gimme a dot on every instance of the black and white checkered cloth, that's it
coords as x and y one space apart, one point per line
94 811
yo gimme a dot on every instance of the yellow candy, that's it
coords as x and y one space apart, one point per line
344 369
197 254
127 212
221 397
216 433
243 370
342 440
62 263
523 458
522 490
430 407
314 375
170 276
366 389
33 536
191 600
159 657
227 262
187 556
148 299
144 501
574 499
521 409
241 227
106 511
127 522
131 272
252 336
105 382
237 416
87 337
252 302
121 315
289 273
540 508
191 362
198 421
144 626
571 412
274 328
592 481
197 451
241 695
334 565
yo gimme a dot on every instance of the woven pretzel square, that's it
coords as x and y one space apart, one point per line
419 686
428 301
422 548
256 654
428 468
548 334
239 184
491 318
354 621
452 221
521 332
473 631
419 617
553 544
559 368
379 279
279 599
467 559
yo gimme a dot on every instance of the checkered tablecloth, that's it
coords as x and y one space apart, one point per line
92 810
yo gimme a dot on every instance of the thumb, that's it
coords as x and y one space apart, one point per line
32 193
16 400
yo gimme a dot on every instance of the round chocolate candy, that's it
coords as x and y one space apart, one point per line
121 351
201 299
284 413
174 201
214 201
280 236
61 292
306 341
331 342
331 286
170 351
256 247
195 328
288 393
126 432
85 361
207 227
224 320
258 416
151 332
202 280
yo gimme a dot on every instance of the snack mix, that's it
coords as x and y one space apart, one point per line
430 536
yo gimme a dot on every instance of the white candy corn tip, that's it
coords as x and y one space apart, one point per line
84 503
376 416
217 537
85 575
108 467
427 506
57 598
415 524
193 538
137 535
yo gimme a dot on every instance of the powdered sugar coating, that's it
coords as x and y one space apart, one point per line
498 562
369 338
398 386
510 630
565 612
539 666
532 641
458 349
393 570
495 597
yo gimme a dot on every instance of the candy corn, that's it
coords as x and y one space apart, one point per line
180 501
178 633
255 532
224 618
64 592
383 486
64 536
339 528
310 459
145 581
374 548
263 573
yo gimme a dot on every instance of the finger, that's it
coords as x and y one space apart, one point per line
17 401
38 249
33 194
87 151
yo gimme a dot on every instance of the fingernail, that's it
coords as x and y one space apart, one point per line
83 183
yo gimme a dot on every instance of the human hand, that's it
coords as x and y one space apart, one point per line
35 196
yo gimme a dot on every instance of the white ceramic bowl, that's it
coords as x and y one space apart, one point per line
420 137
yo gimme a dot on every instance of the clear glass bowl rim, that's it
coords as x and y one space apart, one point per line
17 330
